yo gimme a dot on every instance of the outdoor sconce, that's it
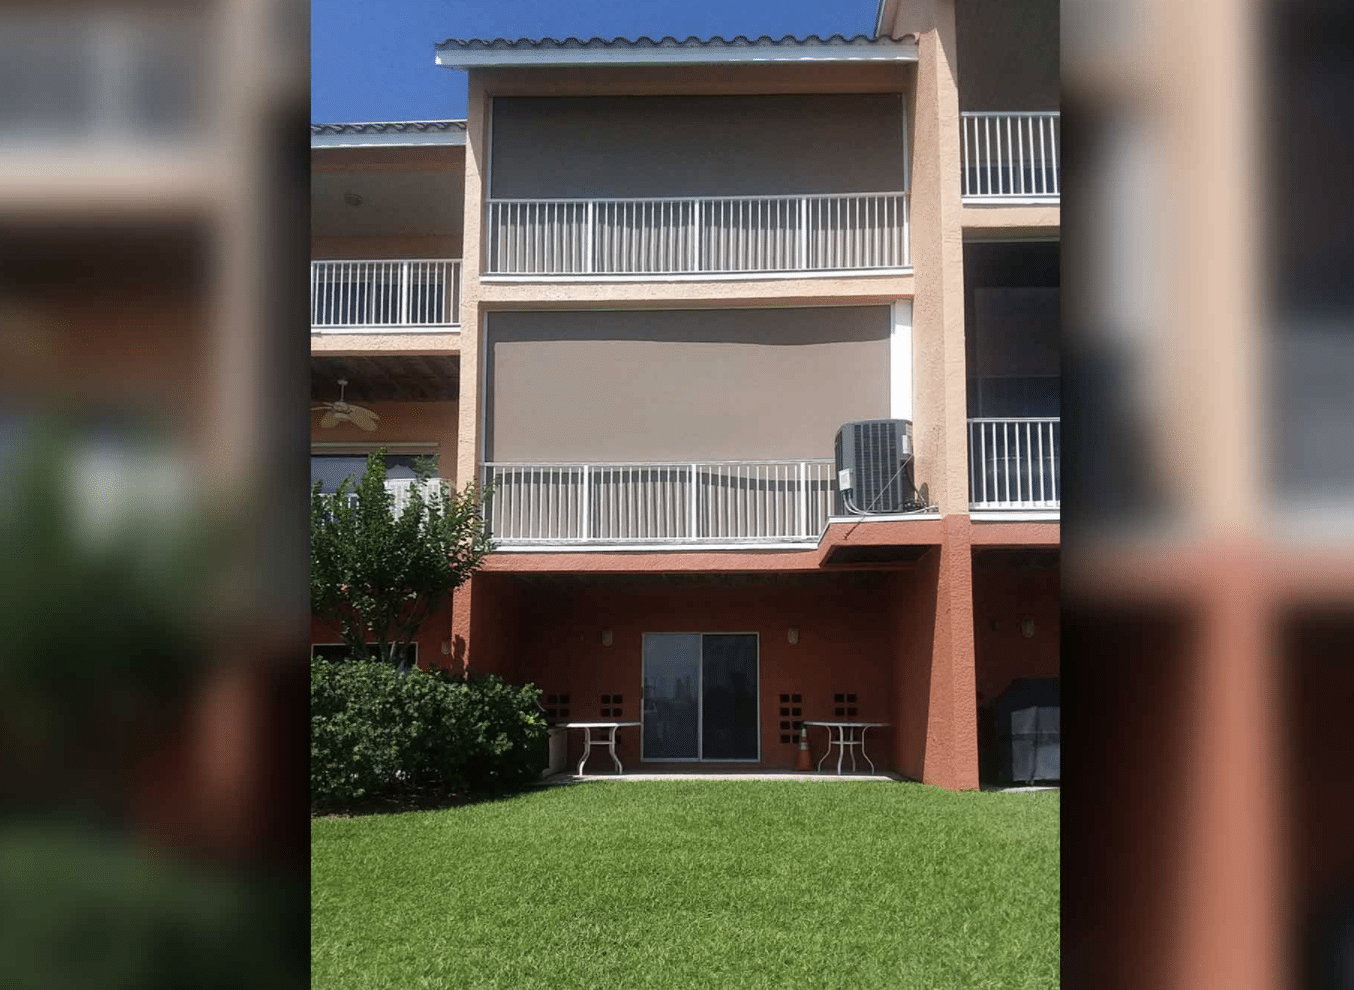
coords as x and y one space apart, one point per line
1027 628
606 637
446 647
792 634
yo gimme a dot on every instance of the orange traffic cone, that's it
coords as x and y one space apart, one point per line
804 759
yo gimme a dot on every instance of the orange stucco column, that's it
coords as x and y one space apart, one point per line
935 710
952 719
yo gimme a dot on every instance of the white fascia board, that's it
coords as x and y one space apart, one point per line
903 51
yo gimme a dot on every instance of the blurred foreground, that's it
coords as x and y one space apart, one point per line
1209 502
152 495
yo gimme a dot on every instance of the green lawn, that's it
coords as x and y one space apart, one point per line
747 884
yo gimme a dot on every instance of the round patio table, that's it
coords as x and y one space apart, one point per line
610 740
846 736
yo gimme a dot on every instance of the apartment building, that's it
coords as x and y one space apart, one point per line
641 289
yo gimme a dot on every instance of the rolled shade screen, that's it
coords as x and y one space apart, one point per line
752 384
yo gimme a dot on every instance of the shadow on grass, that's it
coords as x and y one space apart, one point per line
418 800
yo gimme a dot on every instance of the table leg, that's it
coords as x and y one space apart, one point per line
587 748
862 748
611 748
829 747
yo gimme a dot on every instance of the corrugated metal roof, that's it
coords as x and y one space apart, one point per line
467 52
389 133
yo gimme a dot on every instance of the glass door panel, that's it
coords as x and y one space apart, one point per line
672 671
729 723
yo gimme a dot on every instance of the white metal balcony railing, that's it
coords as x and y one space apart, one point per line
1010 156
674 236
402 487
694 502
385 295
1015 463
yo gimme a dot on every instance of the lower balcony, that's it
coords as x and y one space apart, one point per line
1014 463
737 503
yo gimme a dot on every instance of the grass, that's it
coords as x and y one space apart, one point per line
747 884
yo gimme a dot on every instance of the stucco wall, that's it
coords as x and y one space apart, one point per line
403 246
696 145
648 386
401 422
1003 598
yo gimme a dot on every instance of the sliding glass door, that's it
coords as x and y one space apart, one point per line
700 697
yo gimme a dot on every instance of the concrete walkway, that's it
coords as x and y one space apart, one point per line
568 778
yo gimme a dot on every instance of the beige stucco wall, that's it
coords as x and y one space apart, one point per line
939 381
676 385
401 422
701 145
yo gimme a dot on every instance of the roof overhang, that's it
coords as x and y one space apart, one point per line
389 134
455 55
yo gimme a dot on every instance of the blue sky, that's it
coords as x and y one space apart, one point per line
373 59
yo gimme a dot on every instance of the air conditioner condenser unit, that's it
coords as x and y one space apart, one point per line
874 466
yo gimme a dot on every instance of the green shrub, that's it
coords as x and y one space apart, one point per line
376 732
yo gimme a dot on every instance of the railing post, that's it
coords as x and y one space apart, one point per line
589 261
587 503
803 234
696 235
404 293
802 502
695 496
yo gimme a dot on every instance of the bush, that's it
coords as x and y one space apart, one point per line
376 732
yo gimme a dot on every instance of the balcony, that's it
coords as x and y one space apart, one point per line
1010 157
754 503
385 296
698 237
1014 464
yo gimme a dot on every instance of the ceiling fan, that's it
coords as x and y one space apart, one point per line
346 412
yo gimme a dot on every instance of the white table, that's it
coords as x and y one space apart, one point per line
846 736
610 740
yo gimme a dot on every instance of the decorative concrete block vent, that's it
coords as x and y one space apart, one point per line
557 706
611 706
844 705
790 722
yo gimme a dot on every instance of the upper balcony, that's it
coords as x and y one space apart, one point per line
386 219
385 296
628 187
1010 157
699 236
1010 127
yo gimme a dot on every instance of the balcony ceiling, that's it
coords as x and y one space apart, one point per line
392 378
412 202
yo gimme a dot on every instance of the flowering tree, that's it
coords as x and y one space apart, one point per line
381 564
